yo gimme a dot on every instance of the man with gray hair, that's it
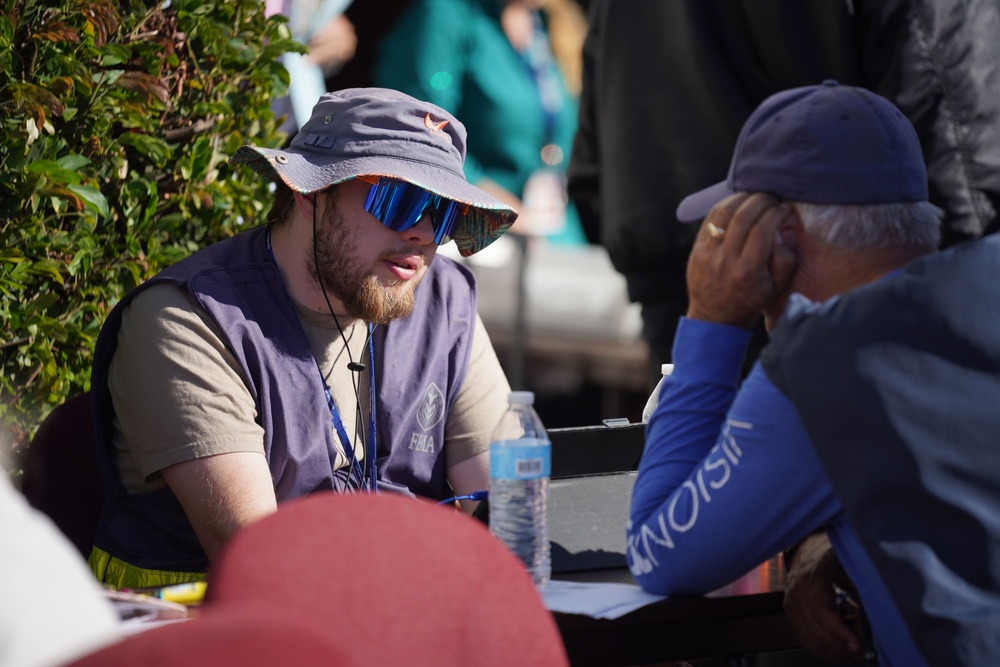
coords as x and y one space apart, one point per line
321 351
826 191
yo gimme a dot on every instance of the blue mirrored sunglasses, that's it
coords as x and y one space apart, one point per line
400 205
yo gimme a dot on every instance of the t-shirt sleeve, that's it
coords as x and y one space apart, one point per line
178 393
480 403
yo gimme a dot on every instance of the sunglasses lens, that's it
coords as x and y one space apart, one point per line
397 205
446 216
400 205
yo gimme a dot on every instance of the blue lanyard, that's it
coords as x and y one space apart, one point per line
367 477
541 65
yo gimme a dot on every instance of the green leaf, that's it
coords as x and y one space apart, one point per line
6 31
154 148
201 159
92 197
134 274
21 272
81 262
43 302
115 54
41 166
61 175
72 161
46 267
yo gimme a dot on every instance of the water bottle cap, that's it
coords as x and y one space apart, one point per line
522 398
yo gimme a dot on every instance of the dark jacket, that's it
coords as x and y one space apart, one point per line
667 86
898 386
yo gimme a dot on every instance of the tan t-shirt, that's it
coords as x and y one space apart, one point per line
179 394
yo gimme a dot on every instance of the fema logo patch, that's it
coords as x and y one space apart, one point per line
431 410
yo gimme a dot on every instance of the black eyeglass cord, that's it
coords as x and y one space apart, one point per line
355 366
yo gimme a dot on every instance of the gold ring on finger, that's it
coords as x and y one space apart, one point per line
715 231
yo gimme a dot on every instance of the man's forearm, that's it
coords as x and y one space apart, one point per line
221 494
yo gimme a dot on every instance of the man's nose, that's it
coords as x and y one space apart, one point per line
422 232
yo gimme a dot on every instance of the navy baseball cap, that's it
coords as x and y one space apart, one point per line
378 132
826 144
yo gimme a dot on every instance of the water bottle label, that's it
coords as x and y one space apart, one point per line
521 461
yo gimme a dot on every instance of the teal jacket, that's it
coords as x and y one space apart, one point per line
454 53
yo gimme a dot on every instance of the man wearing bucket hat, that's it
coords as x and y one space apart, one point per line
826 191
323 350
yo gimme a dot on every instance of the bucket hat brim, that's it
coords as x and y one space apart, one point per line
486 219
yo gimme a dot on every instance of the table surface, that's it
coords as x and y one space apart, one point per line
743 618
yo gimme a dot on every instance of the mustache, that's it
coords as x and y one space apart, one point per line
409 251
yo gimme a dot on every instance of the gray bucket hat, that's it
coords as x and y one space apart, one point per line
381 132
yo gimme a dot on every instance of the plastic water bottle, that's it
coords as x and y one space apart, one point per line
520 466
654 398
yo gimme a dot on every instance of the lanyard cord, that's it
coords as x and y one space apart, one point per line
541 65
365 479
368 483
371 462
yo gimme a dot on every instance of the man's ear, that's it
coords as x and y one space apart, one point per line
791 230
305 203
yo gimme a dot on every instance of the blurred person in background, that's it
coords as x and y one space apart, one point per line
493 64
667 86
324 28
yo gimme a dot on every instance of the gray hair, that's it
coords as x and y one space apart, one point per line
904 226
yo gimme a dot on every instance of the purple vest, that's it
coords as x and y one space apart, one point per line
420 363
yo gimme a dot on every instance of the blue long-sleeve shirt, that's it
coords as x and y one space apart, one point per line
729 478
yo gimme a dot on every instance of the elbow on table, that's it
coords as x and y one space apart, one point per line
662 579
660 582
665 574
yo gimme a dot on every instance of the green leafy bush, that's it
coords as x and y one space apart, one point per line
116 122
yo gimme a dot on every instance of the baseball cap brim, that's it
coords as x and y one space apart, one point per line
486 219
696 206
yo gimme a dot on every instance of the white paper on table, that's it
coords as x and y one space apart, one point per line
595 599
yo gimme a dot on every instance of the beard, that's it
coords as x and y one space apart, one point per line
357 287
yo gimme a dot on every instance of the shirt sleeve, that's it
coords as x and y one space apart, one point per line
728 477
178 392
480 403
